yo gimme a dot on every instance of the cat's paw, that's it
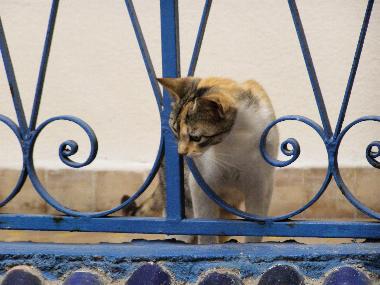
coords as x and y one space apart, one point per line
131 209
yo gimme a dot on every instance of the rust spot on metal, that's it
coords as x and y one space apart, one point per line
57 220
291 225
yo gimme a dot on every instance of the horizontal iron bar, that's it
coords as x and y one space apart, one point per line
326 229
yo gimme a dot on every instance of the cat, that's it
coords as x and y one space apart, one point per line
218 123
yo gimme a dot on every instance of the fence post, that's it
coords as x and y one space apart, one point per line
171 68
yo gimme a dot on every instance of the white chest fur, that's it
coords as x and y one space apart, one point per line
238 154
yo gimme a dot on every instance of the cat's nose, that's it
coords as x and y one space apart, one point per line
194 154
182 149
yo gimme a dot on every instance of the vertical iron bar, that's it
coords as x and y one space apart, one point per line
144 52
198 42
354 68
12 82
43 65
310 68
171 68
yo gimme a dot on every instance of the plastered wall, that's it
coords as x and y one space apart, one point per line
96 72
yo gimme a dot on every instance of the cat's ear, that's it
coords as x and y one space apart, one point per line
219 104
175 86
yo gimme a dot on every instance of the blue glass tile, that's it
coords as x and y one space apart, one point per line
21 277
216 278
347 276
83 278
149 274
281 275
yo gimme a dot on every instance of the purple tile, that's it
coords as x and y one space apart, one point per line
149 274
281 275
82 278
216 278
347 276
21 277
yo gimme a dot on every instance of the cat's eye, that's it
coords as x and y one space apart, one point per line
195 138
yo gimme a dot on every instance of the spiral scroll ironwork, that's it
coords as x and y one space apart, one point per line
289 147
69 148
27 135
23 173
371 157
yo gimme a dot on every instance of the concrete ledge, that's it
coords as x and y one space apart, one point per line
194 264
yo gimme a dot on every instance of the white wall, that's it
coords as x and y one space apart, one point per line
96 73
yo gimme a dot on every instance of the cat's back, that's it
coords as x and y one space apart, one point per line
257 113
265 111
257 93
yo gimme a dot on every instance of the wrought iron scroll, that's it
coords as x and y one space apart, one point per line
291 147
27 135
175 222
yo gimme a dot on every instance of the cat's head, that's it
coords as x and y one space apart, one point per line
203 112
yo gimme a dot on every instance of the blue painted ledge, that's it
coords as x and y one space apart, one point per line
191 263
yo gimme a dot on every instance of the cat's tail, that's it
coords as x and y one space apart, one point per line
131 209
153 206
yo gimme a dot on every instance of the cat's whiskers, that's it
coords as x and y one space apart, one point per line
229 164
216 162
220 164
223 154
223 163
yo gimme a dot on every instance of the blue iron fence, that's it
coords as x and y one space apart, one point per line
175 222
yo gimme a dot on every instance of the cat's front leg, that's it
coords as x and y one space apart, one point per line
258 192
